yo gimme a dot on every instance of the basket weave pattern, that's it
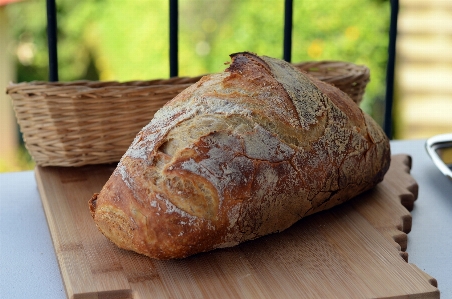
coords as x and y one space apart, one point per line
89 122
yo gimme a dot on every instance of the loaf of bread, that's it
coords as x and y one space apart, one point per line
236 156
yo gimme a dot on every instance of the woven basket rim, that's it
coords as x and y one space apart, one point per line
93 84
128 82
331 62
337 65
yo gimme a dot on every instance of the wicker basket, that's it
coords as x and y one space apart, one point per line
90 122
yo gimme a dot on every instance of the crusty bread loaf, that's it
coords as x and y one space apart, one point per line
236 156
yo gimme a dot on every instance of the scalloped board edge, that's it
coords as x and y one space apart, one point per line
355 250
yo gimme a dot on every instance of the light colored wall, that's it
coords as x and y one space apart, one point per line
424 68
8 134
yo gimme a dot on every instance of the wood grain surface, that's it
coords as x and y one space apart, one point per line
355 250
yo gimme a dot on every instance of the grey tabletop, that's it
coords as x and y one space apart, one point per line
430 240
29 268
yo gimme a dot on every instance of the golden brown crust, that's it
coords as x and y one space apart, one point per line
236 156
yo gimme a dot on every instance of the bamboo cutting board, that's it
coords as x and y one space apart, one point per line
356 250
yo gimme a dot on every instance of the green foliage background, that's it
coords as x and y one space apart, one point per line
128 40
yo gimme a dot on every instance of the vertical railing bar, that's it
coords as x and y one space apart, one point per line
288 25
173 37
390 70
52 40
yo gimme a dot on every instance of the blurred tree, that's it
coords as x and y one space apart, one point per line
121 40
29 31
234 26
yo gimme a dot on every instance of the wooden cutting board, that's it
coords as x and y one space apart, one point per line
356 250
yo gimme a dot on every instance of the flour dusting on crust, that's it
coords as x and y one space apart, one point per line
239 155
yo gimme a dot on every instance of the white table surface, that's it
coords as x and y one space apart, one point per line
29 268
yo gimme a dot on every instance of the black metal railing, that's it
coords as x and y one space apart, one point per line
287 48
390 69
173 37
52 40
288 25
